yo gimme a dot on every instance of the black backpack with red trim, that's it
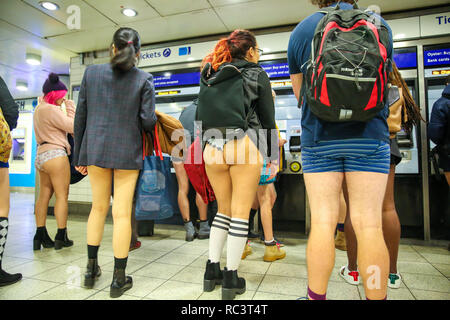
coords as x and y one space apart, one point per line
346 79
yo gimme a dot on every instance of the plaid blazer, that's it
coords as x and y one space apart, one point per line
113 109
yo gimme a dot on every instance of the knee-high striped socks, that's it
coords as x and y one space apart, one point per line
217 236
237 238
233 230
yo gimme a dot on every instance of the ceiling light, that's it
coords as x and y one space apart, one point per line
129 12
33 59
49 5
167 74
21 85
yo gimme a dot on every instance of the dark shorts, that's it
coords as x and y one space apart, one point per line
396 155
4 164
350 155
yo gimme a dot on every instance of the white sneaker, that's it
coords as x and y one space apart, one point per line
352 277
394 280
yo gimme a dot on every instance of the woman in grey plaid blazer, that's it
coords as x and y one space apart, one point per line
116 102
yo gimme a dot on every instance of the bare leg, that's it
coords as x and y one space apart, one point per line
264 194
202 207
366 192
391 223
101 181
183 190
324 197
45 194
124 187
59 171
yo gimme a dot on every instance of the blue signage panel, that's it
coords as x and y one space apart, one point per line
436 57
193 78
406 60
279 70
177 79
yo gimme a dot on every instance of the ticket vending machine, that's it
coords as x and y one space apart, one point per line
437 69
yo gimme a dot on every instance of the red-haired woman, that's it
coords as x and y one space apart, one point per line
229 166
51 126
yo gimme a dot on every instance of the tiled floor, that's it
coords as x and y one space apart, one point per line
167 267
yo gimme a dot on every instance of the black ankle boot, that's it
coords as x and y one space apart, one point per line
41 238
93 271
6 279
120 283
213 276
232 284
61 239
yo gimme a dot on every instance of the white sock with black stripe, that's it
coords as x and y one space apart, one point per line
237 238
217 236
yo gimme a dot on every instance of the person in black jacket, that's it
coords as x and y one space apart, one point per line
233 178
116 103
9 113
439 129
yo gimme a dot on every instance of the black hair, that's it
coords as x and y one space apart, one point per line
447 80
128 43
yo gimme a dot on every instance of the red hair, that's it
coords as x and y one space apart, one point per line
233 47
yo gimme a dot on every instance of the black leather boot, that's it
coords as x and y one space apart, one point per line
232 284
120 283
213 276
6 278
93 271
61 239
42 239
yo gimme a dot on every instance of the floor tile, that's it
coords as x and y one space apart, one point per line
11 262
437 258
191 250
175 290
443 268
435 250
430 295
410 256
25 289
288 270
426 282
264 296
190 274
284 285
167 244
249 266
159 270
65 292
417 267
293 258
342 291
177 259
32 268
147 254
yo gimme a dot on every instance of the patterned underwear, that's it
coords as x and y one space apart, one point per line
48 155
